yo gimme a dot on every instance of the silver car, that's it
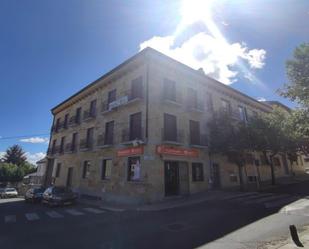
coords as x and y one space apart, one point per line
8 192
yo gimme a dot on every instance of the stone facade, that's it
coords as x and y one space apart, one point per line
102 165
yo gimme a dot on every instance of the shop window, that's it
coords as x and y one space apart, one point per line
197 172
252 178
233 176
106 169
86 169
134 169
58 169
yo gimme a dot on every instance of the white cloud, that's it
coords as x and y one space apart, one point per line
2 153
208 49
34 157
261 99
35 140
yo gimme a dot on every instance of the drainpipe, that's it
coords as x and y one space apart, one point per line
147 96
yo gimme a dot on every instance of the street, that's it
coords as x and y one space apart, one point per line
233 220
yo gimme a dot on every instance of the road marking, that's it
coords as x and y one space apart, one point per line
32 216
54 214
94 210
74 212
10 218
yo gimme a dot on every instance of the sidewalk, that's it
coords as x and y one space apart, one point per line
288 243
181 201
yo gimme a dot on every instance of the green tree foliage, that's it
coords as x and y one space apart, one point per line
10 173
229 139
15 155
297 89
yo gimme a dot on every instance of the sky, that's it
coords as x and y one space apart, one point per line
50 49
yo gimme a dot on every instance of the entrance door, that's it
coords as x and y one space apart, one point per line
171 178
69 177
216 175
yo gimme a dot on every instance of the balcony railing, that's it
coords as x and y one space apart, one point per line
53 150
198 106
199 141
176 138
176 100
74 120
89 114
70 148
127 136
104 141
86 144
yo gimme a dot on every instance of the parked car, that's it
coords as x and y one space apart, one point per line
34 194
8 192
55 196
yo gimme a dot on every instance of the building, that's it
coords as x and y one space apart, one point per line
38 177
139 133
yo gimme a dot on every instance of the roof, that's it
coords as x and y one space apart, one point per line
153 51
277 103
43 160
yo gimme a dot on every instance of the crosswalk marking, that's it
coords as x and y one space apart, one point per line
10 218
32 216
54 214
94 210
74 212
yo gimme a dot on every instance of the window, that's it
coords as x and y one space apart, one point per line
242 113
54 146
109 133
86 169
106 169
66 120
249 158
134 168
276 161
233 176
111 96
93 106
57 124
257 162
252 178
170 127
74 141
135 126
89 138
169 91
226 106
210 106
263 159
62 145
78 115
197 172
58 169
137 88
194 132
192 98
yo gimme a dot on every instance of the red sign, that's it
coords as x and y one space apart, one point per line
162 149
131 151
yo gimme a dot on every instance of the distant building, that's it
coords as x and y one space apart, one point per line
38 177
139 133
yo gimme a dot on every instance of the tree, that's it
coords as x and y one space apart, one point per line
297 68
271 134
10 173
229 139
15 155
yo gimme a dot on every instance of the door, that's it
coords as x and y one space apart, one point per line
216 176
69 177
171 178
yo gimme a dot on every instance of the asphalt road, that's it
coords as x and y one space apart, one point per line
215 224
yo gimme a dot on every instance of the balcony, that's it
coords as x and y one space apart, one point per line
53 150
73 121
86 144
200 141
89 114
173 100
169 138
104 141
128 137
197 106
70 148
